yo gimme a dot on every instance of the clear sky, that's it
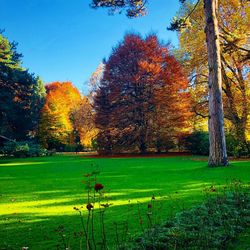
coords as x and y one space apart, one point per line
65 40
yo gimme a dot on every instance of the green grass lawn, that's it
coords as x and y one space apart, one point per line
38 194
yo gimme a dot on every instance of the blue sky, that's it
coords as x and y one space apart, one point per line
65 40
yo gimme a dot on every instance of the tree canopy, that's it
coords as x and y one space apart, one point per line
235 62
142 99
21 95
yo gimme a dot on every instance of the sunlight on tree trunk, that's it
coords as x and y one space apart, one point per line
217 152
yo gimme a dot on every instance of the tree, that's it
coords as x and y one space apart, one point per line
21 95
56 128
235 66
134 8
141 96
95 79
83 122
217 140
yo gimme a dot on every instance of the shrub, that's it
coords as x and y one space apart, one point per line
8 148
23 149
197 143
73 148
70 148
36 150
96 205
51 152
214 224
236 148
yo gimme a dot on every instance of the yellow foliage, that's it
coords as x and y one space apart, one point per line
88 136
234 23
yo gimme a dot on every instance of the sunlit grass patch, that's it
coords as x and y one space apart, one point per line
38 194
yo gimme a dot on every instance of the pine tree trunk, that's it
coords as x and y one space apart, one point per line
217 151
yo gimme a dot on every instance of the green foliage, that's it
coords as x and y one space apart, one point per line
14 148
73 148
197 143
134 8
8 54
21 95
37 150
177 24
235 147
94 144
23 149
70 148
212 225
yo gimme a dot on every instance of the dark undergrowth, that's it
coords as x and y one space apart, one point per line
215 224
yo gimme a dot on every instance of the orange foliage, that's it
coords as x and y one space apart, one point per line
56 124
142 100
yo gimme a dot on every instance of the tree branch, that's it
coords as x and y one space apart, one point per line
6 138
197 112
180 23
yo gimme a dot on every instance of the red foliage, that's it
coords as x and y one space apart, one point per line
142 99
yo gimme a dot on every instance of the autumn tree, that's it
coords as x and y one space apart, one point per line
141 99
83 122
56 128
95 80
21 95
134 8
234 21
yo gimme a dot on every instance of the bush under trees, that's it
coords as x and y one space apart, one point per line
23 149
198 143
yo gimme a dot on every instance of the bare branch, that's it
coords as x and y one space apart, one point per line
6 138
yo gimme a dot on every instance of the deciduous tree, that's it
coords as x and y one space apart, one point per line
142 98
233 25
83 122
134 8
56 128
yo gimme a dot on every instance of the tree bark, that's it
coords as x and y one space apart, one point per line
217 141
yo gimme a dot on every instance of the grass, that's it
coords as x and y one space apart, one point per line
38 194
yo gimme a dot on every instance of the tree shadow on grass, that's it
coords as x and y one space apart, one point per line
38 230
40 200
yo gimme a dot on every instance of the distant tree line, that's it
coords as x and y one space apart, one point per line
145 97
34 116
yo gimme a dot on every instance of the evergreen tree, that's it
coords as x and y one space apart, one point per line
21 95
